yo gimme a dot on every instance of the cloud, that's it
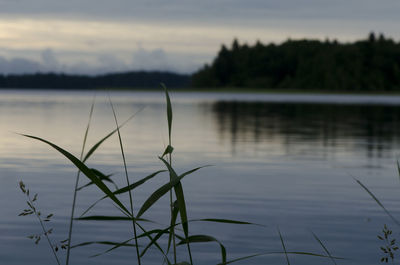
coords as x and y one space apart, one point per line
177 35
48 60
150 60
18 66
205 11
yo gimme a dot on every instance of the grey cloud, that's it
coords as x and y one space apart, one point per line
49 60
158 59
150 60
142 59
206 11
18 66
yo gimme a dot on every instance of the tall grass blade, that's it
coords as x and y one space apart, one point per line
127 182
85 170
324 247
138 183
101 176
119 244
156 195
71 221
169 112
97 145
110 218
278 252
173 224
125 189
175 211
145 234
166 230
179 197
203 239
181 205
168 151
398 168
225 221
284 247
377 201
159 234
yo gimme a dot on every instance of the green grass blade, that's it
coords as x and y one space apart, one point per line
204 239
124 189
155 196
119 244
323 246
225 221
398 168
85 170
159 234
278 252
377 201
127 182
110 218
284 247
168 150
101 176
179 197
94 148
145 234
169 112
175 211
138 183
71 219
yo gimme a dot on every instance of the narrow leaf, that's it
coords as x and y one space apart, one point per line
84 169
168 150
284 247
180 197
377 201
323 246
277 252
119 244
155 196
125 189
169 112
203 239
94 147
110 218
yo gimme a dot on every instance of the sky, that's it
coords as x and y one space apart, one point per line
101 36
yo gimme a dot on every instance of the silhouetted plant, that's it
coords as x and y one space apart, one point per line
177 208
32 210
389 246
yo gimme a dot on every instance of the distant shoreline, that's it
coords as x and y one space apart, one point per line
215 90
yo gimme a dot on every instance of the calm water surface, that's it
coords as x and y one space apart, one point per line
278 160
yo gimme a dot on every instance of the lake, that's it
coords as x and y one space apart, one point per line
287 161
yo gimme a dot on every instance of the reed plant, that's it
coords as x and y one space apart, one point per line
144 237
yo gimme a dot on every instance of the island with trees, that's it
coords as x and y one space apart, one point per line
369 65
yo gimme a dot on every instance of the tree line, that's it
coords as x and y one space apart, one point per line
372 64
140 79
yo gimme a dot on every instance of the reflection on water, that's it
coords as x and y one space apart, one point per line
282 160
370 128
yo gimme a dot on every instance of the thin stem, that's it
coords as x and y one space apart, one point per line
172 205
127 181
71 220
44 230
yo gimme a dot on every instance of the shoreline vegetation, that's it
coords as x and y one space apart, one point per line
163 237
370 66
